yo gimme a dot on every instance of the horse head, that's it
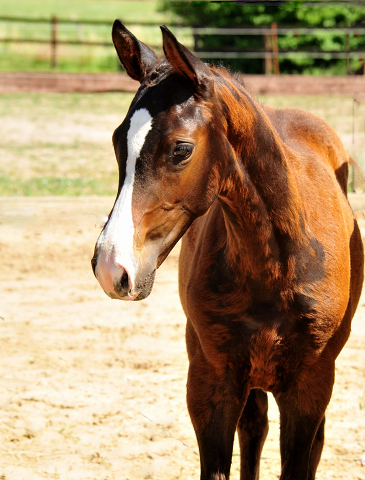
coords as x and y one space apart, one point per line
165 149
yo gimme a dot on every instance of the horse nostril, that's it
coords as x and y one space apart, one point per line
122 286
124 282
94 261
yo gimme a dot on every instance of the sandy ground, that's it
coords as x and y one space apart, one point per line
95 389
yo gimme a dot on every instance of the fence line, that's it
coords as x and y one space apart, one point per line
279 30
145 23
282 54
270 53
248 30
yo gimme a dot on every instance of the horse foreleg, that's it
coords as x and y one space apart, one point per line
214 411
302 425
316 451
252 429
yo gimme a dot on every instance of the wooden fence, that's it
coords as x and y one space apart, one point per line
270 53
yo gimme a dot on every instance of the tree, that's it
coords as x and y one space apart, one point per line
298 13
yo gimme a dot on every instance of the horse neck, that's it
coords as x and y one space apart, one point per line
258 195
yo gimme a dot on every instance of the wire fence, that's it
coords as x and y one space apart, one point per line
56 33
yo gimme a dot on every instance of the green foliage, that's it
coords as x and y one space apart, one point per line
292 13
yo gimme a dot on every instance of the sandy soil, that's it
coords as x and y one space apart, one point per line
95 389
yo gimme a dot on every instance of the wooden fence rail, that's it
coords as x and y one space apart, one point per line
270 52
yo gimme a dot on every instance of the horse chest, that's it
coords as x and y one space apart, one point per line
264 344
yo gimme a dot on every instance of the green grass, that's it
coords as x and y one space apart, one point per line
46 106
73 58
54 186
108 10
89 62
60 144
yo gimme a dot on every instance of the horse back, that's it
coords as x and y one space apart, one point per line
311 137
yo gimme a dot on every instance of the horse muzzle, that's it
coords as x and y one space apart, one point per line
117 282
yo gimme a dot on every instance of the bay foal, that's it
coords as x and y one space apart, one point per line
271 263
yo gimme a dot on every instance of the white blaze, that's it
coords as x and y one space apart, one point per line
115 243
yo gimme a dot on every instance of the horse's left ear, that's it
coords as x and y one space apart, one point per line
186 63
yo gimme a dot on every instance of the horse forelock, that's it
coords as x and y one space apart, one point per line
161 71
164 72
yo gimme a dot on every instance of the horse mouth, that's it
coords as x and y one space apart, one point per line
145 287
139 292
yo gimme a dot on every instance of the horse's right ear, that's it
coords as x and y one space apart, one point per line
137 58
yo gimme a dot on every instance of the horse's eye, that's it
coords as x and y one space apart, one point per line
183 151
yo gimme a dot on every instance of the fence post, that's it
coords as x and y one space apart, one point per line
54 62
348 51
268 57
275 47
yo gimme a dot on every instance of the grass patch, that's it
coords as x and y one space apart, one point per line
108 10
46 106
73 58
60 143
14 60
53 186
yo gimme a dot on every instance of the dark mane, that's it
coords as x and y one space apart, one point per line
228 73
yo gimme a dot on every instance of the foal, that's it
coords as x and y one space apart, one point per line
271 263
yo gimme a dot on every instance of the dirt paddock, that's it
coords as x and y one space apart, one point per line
95 389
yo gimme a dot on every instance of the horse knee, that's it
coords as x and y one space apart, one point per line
254 416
